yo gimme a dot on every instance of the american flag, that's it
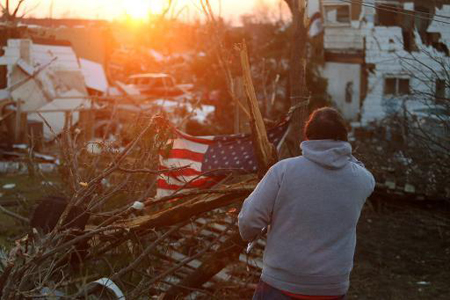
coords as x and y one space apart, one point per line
207 159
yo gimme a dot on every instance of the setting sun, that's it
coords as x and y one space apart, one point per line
141 9
138 9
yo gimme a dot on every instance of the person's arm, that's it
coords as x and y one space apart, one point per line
356 161
257 209
371 179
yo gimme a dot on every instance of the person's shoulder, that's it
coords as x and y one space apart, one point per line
365 175
287 163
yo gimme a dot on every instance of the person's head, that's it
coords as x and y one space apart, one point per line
326 123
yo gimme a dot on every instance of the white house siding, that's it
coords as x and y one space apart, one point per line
40 77
342 76
385 56
343 38
384 49
440 27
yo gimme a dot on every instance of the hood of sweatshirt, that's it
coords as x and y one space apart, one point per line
329 154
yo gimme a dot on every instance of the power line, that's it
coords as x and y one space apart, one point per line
420 12
394 11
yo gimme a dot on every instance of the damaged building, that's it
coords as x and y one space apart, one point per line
50 77
45 79
380 53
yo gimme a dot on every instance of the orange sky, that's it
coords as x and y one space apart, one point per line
115 9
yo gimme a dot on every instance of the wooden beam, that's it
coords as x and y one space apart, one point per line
184 210
348 58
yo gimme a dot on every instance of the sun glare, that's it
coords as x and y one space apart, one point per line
141 9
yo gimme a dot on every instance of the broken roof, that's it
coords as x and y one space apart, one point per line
94 75
46 76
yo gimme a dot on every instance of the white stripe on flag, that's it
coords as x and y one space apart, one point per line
190 145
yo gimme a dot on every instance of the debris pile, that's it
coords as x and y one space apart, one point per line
108 231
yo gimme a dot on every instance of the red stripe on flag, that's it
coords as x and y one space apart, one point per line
186 154
200 183
194 139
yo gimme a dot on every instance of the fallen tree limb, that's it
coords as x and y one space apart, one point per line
183 211
14 215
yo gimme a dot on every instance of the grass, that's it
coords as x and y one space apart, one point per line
27 191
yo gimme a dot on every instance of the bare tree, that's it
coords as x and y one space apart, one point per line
298 91
417 126
425 117
9 13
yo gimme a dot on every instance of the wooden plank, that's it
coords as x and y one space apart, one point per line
350 58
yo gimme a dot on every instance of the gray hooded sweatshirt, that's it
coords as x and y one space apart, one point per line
313 203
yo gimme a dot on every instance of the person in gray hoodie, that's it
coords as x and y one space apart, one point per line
311 204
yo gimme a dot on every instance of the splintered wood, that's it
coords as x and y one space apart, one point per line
265 151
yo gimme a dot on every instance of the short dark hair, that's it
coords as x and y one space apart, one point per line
326 123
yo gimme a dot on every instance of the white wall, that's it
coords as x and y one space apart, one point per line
385 51
339 75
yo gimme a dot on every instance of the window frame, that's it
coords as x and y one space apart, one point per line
397 86
439 98
336 4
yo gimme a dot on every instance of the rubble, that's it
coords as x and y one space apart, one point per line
109 136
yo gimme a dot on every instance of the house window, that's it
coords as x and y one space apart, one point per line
440 90
396 86
337 15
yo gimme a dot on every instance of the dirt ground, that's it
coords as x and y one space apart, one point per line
402 253
403 249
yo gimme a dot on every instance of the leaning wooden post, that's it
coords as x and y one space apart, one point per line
265 152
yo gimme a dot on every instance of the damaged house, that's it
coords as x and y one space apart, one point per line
379 53
45 79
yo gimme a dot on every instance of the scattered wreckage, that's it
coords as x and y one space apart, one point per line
162 241
46 80
182 243
157 85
